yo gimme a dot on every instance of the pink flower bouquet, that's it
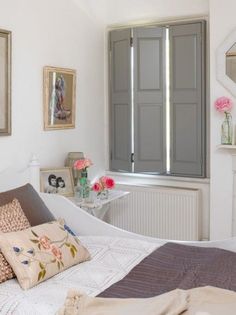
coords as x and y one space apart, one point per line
224 105
103 184
82 165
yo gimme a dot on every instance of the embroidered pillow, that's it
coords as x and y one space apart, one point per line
42 251
12 218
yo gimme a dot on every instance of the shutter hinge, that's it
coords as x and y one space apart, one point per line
131 41
132 158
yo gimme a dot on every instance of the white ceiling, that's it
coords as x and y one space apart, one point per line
121 11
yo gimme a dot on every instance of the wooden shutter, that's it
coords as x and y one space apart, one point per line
120 100
149 109
187 99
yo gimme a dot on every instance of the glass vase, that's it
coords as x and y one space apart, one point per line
227 130
84 185
103 195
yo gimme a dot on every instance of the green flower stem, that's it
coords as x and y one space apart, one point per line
62 240
35 259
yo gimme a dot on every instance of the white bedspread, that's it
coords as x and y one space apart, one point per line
112 259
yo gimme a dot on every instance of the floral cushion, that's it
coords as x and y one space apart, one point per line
12 218
40 252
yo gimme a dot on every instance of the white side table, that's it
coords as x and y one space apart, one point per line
99 207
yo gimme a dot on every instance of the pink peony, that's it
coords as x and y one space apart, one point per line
56 251
97 187
82 164
79 164
223 104
87 162
44 241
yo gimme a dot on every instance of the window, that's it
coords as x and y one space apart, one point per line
157 100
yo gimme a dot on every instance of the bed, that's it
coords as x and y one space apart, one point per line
117 257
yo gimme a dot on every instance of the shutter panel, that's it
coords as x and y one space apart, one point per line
120 100
149 109
187 100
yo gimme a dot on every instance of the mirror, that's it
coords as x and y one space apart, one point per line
231 63
226 63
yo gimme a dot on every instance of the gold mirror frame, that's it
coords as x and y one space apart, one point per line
221 75
5 83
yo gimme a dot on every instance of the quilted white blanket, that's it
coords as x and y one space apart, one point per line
112 259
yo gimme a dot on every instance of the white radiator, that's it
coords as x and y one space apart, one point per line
163 212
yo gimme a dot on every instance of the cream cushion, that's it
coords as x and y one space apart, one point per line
40 252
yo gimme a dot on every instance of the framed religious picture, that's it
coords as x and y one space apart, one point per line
57 181
5 83
59 98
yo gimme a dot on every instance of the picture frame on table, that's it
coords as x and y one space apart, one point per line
59 88
57 181
5 83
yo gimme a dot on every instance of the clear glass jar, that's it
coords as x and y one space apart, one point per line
103 195
227 130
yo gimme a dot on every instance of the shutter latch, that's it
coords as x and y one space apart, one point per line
131 41
132 157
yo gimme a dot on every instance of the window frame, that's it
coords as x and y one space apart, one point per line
204 115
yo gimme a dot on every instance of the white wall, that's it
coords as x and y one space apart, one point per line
222 22
55 33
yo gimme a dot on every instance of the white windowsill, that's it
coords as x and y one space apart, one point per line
227 146
151 179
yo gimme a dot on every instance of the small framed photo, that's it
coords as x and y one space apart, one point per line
59 98
5 83
57 181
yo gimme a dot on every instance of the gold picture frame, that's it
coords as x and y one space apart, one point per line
59 85
57 181
5 83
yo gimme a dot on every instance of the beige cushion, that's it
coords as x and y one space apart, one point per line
12 218
40 252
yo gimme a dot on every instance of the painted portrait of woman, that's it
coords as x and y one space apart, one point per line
59 89
58 107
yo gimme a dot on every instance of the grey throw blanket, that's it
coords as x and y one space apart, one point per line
177 266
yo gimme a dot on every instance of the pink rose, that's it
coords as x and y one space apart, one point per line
56 252
103 180
97 187
45 242
109 183
223 104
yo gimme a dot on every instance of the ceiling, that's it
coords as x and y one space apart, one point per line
121 11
